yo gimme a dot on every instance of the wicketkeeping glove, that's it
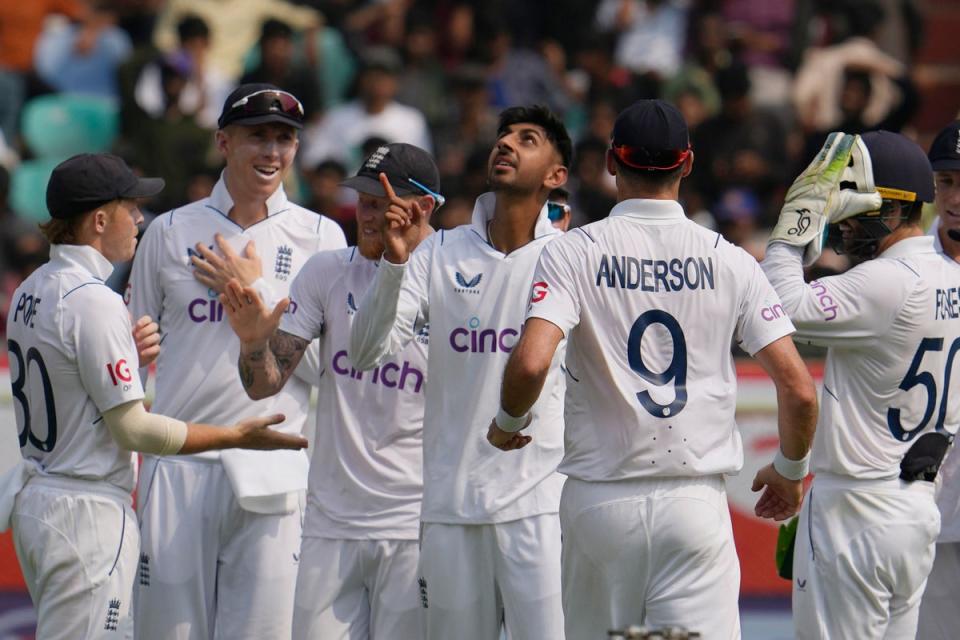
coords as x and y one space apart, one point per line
838 184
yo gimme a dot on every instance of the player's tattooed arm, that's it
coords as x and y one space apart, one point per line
265 369
267 355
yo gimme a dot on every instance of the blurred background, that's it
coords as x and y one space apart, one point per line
760 82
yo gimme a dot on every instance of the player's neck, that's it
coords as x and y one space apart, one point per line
514 221
629 192
900 233
248 209
951 247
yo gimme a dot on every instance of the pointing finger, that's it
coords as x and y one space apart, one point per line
388 189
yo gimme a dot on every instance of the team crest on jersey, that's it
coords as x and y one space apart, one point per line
283 263
466 284
113 615
191 252
423 335
351 304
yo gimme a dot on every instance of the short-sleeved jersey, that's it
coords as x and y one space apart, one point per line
197 378
72 357
473 297
651 303
892 329
366 479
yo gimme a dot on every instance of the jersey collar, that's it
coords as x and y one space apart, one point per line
909 246
652 211
222 201
83 256
483 213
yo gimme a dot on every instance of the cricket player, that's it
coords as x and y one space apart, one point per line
359 554
939 615
221 533
650 303
490 546
891 325
80 413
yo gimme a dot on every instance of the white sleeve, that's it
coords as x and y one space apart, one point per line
144 294
305 317
106 351
762 319
554 296
852 309
392 309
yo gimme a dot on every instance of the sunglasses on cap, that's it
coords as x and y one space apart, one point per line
436 196
651 160
266 101
556 210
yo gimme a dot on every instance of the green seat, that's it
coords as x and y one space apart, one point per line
62 125
28 188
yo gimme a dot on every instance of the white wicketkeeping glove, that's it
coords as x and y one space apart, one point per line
838 184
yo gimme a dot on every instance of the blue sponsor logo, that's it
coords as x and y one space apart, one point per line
467 285
351 304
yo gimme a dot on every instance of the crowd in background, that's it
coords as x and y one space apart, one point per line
760 83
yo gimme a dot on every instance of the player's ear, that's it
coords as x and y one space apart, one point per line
611 163
557 177
220 138
687 165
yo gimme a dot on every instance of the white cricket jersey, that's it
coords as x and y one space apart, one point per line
473 298
366 480
197 379
650 303
892 328
72 357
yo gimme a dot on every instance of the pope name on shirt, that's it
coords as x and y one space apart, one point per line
675 274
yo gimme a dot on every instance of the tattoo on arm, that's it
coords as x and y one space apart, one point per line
264 372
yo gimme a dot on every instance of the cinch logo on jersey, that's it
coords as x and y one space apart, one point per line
825 300
627 272
284 261
539 292
473 339
210 310
467 285
947 305
390 374
772 313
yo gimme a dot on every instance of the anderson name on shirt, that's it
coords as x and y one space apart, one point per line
646 274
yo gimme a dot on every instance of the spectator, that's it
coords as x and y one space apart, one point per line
375 112
278 67
326 196
234 26
521 76
593 193
652 34
206 87
422 81
736 215
471 123
84 57
742 146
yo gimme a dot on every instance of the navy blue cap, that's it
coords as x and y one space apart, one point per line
90 180
651 135
945 151
899 165
408 168
259 103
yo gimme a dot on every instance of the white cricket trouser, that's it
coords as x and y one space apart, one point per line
863 551
652 551
208 568
939 609
477 576
358 589
77 543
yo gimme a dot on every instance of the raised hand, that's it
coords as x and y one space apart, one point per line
402 225
249 318
253 433
781 498
214 271
146 333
